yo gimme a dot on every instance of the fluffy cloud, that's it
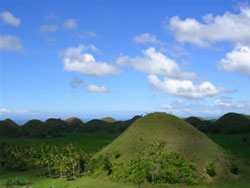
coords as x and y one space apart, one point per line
222 103
227 27
70 24
8 18
146 38
237 61
75 82
185 88
6 111
49 28
10 43
167 107
98 89
74 59
154 62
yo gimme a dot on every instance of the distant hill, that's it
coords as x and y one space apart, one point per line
33 129
109 119
73 124
55 126
206 126
233 123
178 140
7 127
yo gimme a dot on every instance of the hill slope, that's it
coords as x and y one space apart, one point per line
233 123
179 137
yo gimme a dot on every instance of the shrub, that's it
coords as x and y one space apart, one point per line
17 181
155 165
234 168
210 168
117 154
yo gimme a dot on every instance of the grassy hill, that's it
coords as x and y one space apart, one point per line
233 123
108 119
206 126
7 127
32 129
178 137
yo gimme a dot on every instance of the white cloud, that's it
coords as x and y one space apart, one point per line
75 60
10 43
237 61
228 27
185 88
154 62
8 18
167 107
98 89
75 82
70 24
146 38
243 105
6 111
222 103
51 28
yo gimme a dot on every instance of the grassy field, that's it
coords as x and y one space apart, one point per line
94 142
89 142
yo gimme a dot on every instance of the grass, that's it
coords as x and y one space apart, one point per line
89 142
83 182
231 143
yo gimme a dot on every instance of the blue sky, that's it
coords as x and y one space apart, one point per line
121 58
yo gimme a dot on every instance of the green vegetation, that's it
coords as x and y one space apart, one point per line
232 123
18 180
67 161
7 127
158 150
109 119
155 165
87 141
206 126
180 138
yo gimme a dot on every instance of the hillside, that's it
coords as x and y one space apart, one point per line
177 136
233 123
108 119
7 127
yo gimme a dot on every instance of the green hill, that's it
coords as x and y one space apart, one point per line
165 142
33 129
195 121
233 123
55 126
73 124
109 119
201 124
7 127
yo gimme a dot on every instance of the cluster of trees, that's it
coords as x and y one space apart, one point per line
65 161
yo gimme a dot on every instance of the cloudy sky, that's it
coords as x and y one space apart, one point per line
121 58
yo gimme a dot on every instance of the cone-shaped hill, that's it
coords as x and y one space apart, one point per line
108 119
178 137
233 123
195 121
55 126
73 124
33 129
7 127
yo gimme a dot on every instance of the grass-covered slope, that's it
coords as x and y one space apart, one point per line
233 123
108 119
7 127
179 137
32 129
